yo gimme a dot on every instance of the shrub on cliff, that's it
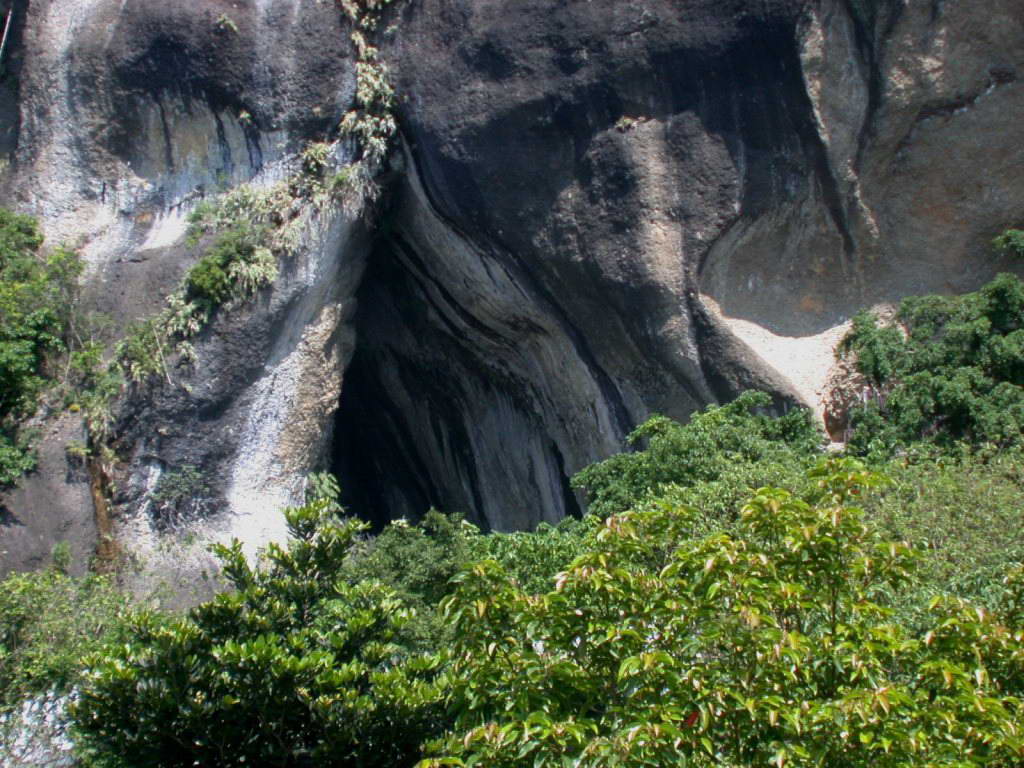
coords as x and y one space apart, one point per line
235 266
1010 243
36 297
951 369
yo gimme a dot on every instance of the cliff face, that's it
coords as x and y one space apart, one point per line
597 210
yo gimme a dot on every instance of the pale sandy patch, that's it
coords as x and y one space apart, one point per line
805 361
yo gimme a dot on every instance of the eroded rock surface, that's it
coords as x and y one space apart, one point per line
599 210
130 115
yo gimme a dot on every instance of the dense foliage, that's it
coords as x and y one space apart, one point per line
800 634
236 264
964 513
36 296
706 450
1010 243
736 598
295 666
950 369
770 646
420 561
49 622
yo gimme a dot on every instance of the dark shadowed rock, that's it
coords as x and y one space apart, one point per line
52 506
600 210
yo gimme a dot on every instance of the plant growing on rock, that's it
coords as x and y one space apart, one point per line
37 293
254 227
234 268
49 621
371 124
1010 243
243 235
951 369
180 494
225 23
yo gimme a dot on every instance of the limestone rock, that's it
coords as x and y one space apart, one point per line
598 210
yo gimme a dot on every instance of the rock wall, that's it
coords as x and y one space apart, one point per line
130 114
599 210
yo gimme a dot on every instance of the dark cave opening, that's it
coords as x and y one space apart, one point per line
374 455
382 477
401 443
415 426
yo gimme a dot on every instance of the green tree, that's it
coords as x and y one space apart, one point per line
965 513
417 561
296 666
951 369
768 646
709 448
1010 243
533 559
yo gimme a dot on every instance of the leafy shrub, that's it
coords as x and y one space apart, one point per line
1010 243
534 559
141 352
315 158
49 622
965 513
236 265
372 123
420 560
952 370
703 450
323 486
296 666
770 646
37 293
92 386
225 23
180 494
417 560
16 455
208 280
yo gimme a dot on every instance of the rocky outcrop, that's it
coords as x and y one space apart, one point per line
131 114
599 210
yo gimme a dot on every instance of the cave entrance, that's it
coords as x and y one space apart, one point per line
374 454
399 434
381 475
435 410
